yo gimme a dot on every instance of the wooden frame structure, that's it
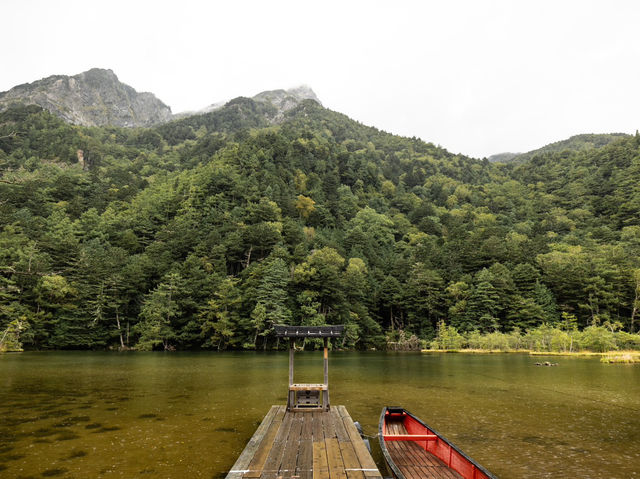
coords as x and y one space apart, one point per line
305 397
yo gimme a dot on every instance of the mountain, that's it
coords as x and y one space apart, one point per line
285 100
505 157
92 98
575 143
203 231
265 109
594 185
97 98
282 100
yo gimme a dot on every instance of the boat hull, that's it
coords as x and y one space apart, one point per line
414 450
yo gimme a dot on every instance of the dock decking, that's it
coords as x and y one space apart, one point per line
305 445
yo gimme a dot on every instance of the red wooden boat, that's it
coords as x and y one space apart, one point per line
414 450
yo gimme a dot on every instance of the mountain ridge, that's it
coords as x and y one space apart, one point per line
580 142
283 99
92 98
97 97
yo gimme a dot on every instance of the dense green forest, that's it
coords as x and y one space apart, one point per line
574 143
203 232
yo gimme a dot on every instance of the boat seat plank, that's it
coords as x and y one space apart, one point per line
410 437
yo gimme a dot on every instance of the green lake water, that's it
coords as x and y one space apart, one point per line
157 415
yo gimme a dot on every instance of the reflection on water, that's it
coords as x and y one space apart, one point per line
191 414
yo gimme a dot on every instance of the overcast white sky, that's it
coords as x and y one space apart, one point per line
477 77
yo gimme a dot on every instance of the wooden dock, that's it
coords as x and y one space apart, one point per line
306 445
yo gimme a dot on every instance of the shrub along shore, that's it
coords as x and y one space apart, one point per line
562 339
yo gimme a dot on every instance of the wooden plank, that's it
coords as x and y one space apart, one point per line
327 426
350 460
334 459
395 427
341 432
320 464
307 425
410 437
413 454
292 346
426 457
414 472
367 464
291 447
411 472
274 459
416 463
325 393
307 387
317 433
249 451
262 452
304 464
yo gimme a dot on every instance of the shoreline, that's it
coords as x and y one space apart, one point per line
608 357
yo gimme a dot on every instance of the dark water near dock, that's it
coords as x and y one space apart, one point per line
190 414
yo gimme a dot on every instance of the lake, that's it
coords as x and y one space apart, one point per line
174 415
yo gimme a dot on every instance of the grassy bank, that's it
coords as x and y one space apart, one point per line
622 357
609 357
518 351
475 351
566 353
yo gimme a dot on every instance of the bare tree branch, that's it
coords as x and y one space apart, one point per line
10 135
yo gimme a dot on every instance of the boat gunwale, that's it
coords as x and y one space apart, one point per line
394 469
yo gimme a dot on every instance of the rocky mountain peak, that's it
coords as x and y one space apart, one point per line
287 99
92 98
283 100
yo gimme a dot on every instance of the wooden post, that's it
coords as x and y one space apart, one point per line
291 399
325 393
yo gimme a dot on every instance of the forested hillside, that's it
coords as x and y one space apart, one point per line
573 144
202 232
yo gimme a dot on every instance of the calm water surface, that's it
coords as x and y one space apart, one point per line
86 415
